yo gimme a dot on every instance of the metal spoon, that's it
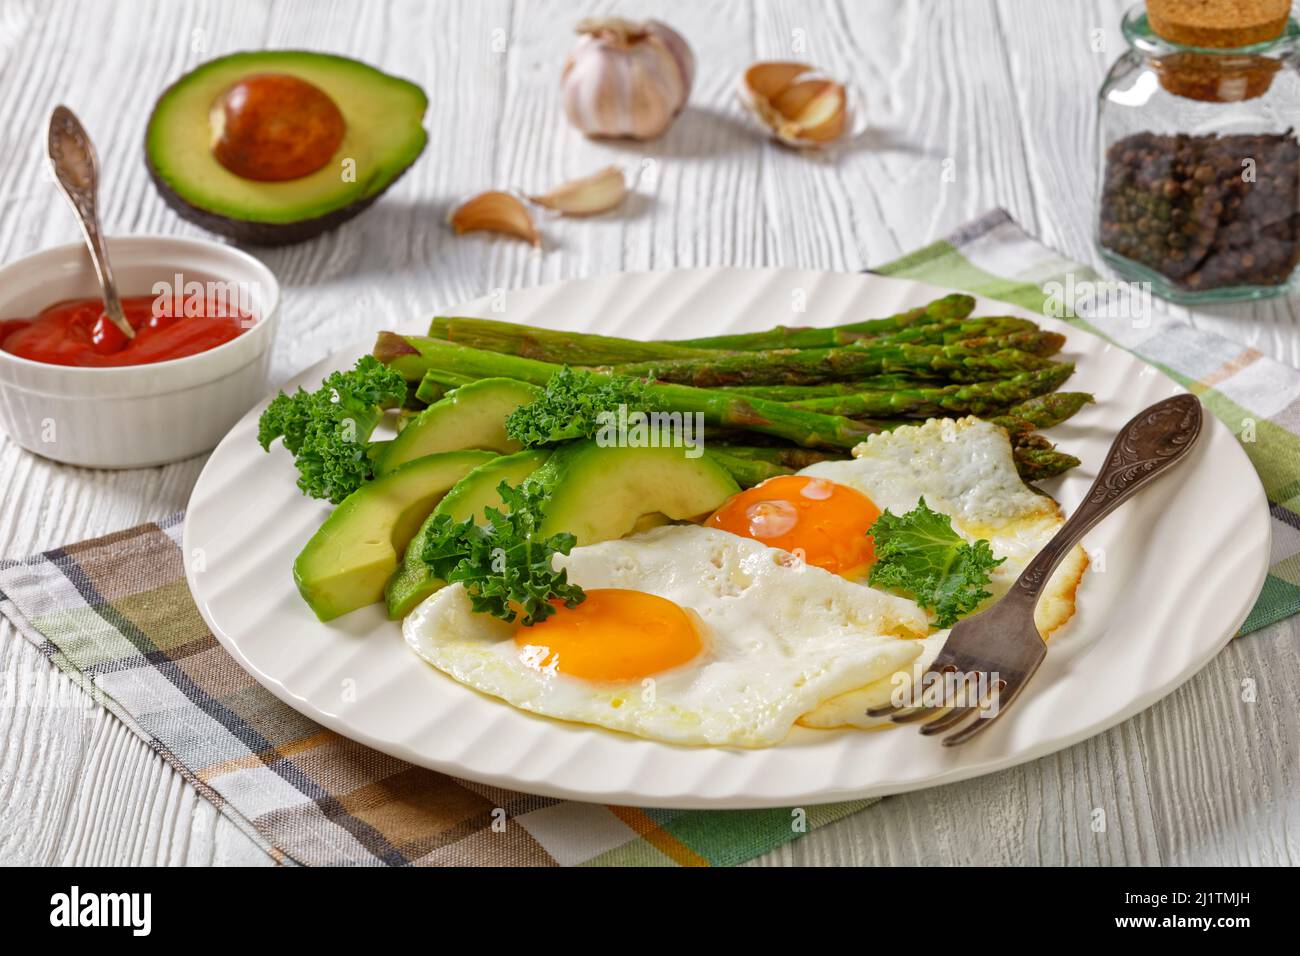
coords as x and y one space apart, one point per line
72 156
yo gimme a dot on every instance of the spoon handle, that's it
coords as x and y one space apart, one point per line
72 156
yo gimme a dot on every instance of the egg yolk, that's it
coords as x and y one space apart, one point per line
823 522
614 635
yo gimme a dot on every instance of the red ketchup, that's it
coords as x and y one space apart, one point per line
77 332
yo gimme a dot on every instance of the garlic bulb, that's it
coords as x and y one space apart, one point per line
626 79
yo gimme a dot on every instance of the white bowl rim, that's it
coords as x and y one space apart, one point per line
194 243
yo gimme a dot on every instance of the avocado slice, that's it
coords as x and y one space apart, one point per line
601 493
347 561
472 416
412 582
383 137
596 493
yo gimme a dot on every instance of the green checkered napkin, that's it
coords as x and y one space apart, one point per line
115 616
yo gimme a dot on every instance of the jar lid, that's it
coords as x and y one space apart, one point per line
1218 23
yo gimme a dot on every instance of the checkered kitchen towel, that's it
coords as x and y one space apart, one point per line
115 616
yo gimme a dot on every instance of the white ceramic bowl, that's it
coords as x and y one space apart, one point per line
138 415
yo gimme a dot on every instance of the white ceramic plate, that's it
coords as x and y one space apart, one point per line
1176 571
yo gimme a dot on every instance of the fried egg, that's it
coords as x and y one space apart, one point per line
689 635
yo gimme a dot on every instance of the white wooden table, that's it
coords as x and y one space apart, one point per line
971 105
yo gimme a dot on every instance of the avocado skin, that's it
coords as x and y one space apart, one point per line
251 233
247 231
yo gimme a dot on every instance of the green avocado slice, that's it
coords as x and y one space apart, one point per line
384 136
596 493
412 582
347 561
599 493
471 416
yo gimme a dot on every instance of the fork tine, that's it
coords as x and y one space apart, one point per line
915 714
911 713
935 670
933 712
950 710
890 709
883 711
1006 697
954 716
975 727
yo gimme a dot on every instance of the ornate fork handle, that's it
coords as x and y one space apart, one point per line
1152 442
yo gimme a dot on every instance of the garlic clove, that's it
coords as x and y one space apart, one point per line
795 103
822 118
795 98
587 196
495 211
769 78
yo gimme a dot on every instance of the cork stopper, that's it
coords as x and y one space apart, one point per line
1218 23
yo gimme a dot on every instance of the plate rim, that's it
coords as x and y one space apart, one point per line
506 780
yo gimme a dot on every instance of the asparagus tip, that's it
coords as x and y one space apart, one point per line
390 346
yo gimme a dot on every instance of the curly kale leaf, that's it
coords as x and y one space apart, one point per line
573 407
328 430
919 554
505 563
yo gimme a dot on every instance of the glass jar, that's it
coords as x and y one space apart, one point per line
1199 188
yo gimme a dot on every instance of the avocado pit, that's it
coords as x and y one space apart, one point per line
273 127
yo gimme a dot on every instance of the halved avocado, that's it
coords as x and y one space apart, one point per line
598 493
382 138
412 582
351 556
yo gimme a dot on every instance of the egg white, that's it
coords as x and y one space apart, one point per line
778 639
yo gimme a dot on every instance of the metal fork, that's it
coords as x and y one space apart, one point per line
990 657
